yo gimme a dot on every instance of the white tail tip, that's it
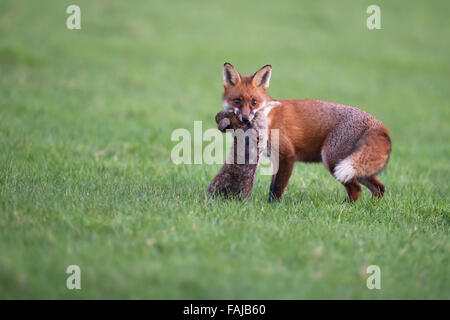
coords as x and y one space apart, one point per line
344 171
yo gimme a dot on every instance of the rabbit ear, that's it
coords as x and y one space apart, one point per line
261 78
230 76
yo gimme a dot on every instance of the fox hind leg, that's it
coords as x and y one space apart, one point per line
353 190
374 185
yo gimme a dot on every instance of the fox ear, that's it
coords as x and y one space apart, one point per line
261 78
230 76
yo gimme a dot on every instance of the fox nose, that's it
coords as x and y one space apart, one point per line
245 119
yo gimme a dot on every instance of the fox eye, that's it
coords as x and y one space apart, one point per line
254 102
237 101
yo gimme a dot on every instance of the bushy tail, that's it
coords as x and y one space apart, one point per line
369 158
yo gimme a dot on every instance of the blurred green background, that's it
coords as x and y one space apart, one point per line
85 171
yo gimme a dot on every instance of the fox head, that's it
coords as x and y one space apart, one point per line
244 95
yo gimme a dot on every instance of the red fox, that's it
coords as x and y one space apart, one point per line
352 144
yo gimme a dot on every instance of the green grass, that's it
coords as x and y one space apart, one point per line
86 176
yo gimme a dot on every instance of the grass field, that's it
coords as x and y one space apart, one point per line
86 176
